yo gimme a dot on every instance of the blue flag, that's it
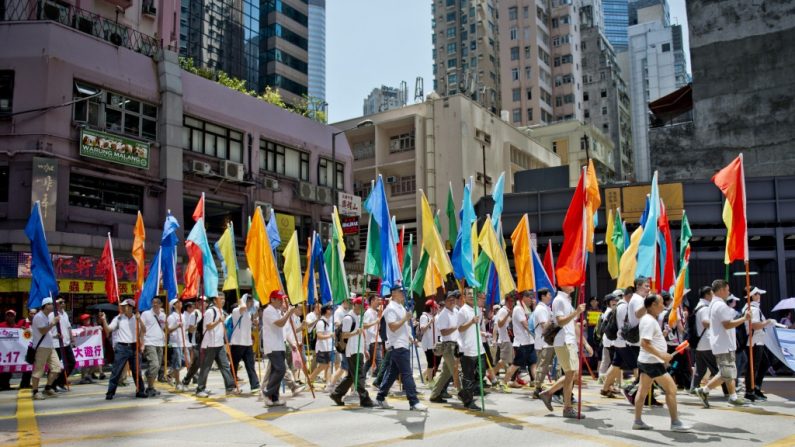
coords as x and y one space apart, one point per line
463 266
319 265
42 279
273 232
163 267
541 277
647 248
151 285
497 194
493 288
209 271
376 204
645 214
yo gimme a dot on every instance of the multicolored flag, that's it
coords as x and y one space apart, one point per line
667 269
684 242
629 262
462 251
407 261
647 246
376 204
679 289
163 267
334 261
731 181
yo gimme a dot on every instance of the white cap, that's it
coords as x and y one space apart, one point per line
732 298
618 292
128 302
173 301
46 301
757 290
496 306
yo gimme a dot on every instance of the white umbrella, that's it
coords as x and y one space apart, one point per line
788 303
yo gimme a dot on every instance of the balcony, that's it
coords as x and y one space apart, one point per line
83 21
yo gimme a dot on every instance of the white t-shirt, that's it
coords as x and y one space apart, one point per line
756 317
621 313
427 329
561 307
370 316
214 337
66 330
721 340
311 320
241 335
356 342
650 330
272 335
154 324
446 319
41 321
521 333
177 337
122 327
393 313
502 331
339 313
188 320
606 341
702 315
635 304
541 315
323 326
469 344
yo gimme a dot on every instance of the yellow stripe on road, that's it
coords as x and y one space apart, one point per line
27 427
82 410
789 441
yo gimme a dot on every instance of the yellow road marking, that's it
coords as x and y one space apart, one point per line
27 428
783 442
81 410
279 414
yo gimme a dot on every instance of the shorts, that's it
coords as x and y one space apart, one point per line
567 358
727 365
323 358
626 358
45 357
653 370
431 359
153 356
176 356
525 355
506 352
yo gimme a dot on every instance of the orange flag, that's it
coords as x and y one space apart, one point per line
731 181
592 202
571 260
679 289
522 260
108 265
198 212
139 238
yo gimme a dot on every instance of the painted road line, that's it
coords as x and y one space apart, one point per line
81 410
27 427
789 441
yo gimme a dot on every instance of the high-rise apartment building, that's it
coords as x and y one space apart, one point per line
465 50
317 53
385 98
265 43
616 17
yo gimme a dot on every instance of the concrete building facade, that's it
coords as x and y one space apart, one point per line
383 99
466 50
435 144
131 131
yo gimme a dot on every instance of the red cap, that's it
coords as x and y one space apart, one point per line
278 295
357 300
85 317
431 303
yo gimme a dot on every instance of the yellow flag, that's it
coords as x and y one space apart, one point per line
305 284
612 255
260 259
522 259
629 261
225 248
491 246
474 244
727 220
292 271
431 241
335 216
592 202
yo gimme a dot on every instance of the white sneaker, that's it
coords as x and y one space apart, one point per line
383 404
203 394
269 402
418 407
298 390
39 396
279 403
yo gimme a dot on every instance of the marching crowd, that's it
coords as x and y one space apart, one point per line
532 341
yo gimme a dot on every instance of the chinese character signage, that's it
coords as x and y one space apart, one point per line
349 204
113 148
44 188
350 225
14 344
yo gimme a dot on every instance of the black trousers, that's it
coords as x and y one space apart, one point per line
245 353
761 365
278 368
469 379
347 382
681 372
68 363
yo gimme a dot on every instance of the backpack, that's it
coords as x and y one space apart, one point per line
341 344
611 324
741 334
230 328
599 330
200 329
630 334
693 337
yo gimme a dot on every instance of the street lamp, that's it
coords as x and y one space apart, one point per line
361 124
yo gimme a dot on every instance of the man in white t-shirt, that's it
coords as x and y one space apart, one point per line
622 359
273 322
340 361
244 317
427 333
62 344
723 341
467 323
154 320
125 349
542 317
502 320
447 330
213 347
399 337
43 344
191 318
705 359
652 361
566 351
610 301
525 354
756 331
372 319
177 341
353 335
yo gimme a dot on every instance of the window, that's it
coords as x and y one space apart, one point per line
512 13
587 113
545 116
6 91
605 127
565 20
283 160
114 112
514 74
529 115
450 3
218 215
517 115
666 47
604 110
451 48
555 147
4 184
568 99
450 32
558 101
604 93
526 12
451 63
452 79
104 194
527 52
404 185
546 97
451 17
585 96
324 174
212 140
543 56
514 53
516 94
529 94
402 142
555 22
528 72
513 33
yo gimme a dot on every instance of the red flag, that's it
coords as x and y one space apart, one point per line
192 271
668 278
549 263
400 245
198 213
731 181
571 261
108 267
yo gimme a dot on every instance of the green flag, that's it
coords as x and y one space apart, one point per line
482 271
618 236
437 222
372 260
336 267
452 225
407 261
684 239
418 283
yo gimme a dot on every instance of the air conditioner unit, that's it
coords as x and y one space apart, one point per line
200 167
271 183
232 170
56 12
324 195
391 179
306 191
352 243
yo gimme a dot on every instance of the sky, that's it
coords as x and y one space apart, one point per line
370 43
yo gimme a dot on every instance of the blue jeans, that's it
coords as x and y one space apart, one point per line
377 358
399 363
123 354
